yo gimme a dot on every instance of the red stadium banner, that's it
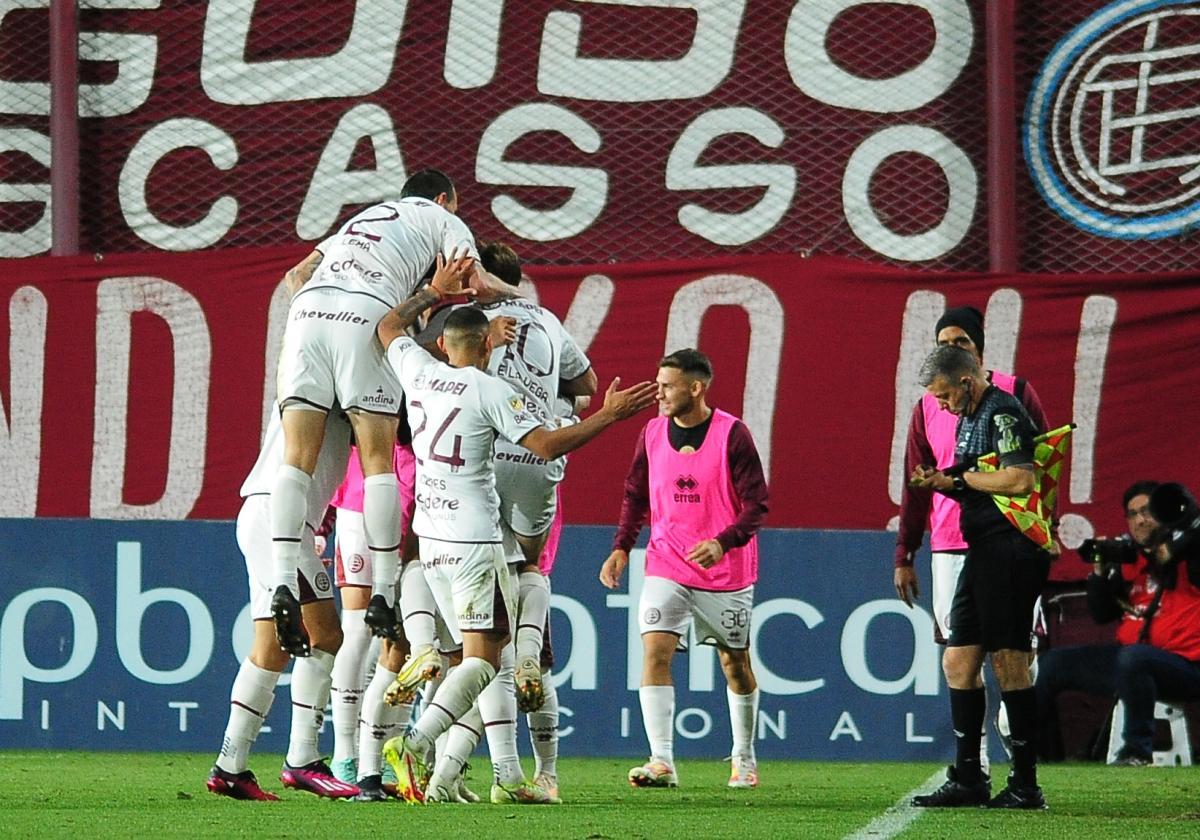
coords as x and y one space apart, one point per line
850 127
135 387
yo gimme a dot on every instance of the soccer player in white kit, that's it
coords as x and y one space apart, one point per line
331 359
459 409
543 363
253 690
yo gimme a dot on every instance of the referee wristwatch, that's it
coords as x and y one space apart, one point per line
959 482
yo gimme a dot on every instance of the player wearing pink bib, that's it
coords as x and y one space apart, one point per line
696 471
362 720
931 440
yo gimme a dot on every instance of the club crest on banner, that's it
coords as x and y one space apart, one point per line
1112 131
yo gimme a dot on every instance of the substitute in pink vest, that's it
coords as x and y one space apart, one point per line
697 477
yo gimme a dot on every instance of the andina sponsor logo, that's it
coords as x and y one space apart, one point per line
378 398
469 614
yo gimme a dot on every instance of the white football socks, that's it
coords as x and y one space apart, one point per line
658 716
533 605
417 606
288 506
250 700
376 723
743 712
498 708
455 696
310 695
349 681
460 741
381 522
543 731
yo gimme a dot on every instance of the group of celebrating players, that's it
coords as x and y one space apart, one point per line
461 399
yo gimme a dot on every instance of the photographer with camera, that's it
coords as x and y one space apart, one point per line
1148 579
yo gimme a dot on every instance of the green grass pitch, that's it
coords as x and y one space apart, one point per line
48 794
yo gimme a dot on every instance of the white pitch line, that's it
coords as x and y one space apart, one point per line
899 816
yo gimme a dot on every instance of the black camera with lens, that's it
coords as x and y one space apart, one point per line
1110 552
1174 508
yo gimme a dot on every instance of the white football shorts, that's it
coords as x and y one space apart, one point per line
526 486
945 567
254 539
471 585
330 355
719 618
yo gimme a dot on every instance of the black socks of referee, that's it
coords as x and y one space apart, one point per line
1022 725
967 709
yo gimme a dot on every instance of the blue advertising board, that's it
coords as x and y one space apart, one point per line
127 635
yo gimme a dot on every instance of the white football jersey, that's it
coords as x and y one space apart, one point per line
329 472
542 354
455 415
386 249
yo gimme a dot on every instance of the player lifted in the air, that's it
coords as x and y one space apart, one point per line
331 360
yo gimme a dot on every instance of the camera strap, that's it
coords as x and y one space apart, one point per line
1151 611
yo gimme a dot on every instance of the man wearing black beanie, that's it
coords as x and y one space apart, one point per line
969 321
931 441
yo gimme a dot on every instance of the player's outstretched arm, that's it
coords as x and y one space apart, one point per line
301 272
618 405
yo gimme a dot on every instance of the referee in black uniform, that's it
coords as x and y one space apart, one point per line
1003 575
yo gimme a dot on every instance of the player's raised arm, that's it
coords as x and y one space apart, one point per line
448 279
618 405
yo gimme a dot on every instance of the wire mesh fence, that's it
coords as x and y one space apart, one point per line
578 130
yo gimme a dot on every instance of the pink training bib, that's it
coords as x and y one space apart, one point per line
349 496
945 533
692 499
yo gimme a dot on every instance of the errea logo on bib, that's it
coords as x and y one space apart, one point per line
1112 133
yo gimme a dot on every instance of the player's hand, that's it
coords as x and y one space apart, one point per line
613 568
905 580
503 330
452 275
629 402
929 477
706 554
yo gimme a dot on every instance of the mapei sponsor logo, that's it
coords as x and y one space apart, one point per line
687 486
1112 131
340 317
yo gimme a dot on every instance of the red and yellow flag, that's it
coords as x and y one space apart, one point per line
1031 514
